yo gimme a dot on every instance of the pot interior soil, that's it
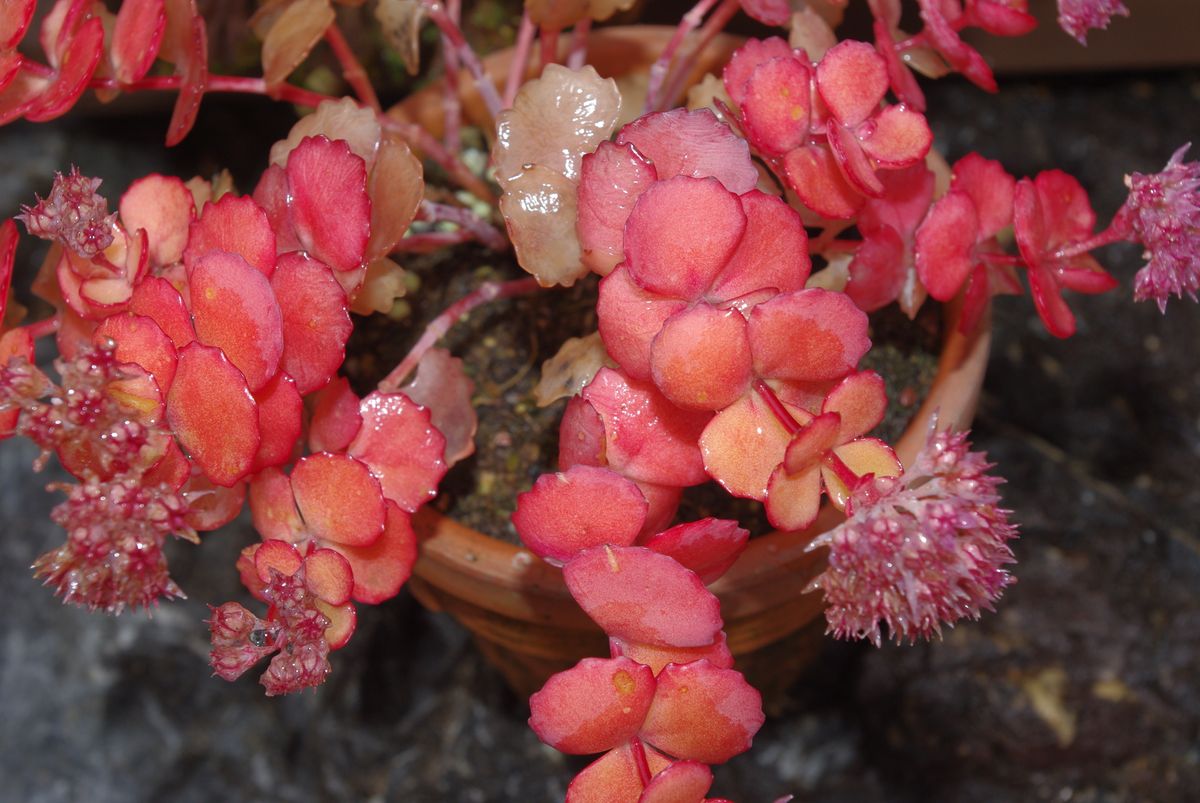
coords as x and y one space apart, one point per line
503 345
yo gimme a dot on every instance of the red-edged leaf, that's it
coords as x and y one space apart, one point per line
579 508
692 143
860 400
610 182
273 507
852 79
813 174
809 335
768 12
335 419
276 556
13 343
343 619
794 499
703 713
14 21
701 358
8 252
639 595
778 105
899 137
990 187
943 245
402 447
853 162
383 567
708 546
172 469
158 300
862 456
630 317
878 270
328 575
315 322
581 440
280 411
742 445
596 705
614 777
773 252
237 224
656 657
234 308
163 206
211 411
442 386
78 63
680 234
192 66
1047 297
339 499
682 782
211 507
330 208
647 438
136 37
747 59
141 341
271 193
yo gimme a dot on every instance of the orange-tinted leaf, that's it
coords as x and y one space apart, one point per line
701 358
273 507
279 420
656 657
163 206
158 300
809 335
443 387
581 507
703 713
342 621
335 419
594 706
383 567
402 447
396 186
277 556
682 782
339 499
211 507
141 341
136 37
295 32
614 777
237 224
328 575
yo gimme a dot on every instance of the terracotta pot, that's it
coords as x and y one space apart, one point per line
524 619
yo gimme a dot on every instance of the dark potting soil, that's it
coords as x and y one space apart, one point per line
503 345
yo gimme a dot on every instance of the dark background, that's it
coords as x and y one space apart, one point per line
1082 687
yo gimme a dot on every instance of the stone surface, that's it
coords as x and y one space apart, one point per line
1082 687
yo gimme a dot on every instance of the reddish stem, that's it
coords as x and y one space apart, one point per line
450 29
426 143
352 68
1107 237
658 71
430 241
639 758
220 83
1001 259
549 47
520 60
479 228
713 26
776 406
451 105
843 471
439 326
46 326
577 51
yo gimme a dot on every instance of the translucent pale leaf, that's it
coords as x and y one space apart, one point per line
396 185
443 387
334 119
295 32
163 206
539 207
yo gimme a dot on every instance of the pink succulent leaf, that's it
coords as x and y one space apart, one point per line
647 438
335 418
339 499
682 782
852 79
8 252
1077 17
793 499
700 359
639 595
860 402
211 506
236 224
813 174
742 445
1163 213
903 83
271 193
581 437
314 320
136 37
611 180
614 776
663 501
276 556
14 21
381 568
680 234
139 340
596 705
703 713
158 300
944 243
539 206
898 137
234 308
402 447
877 271
1000 17
708 546
953 49
918 551
579 508
990 187
273 506
746 59
163 206
694 144
777 105
328 576
329 205
212 413
773 252
280 410
442 386
768 12
629 319
852 160
810 443
1047 298
808 335
79 54
191 64
657 657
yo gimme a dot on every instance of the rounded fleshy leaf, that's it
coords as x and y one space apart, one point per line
682 782
581 440
343 619
860 400
794 498
809 445
852 79
396 186
295 32
172 469
579 508
443 387
594 706
614 776
813 174
639 595
328 575
680 234
630 317
647 438
335 418
778 105
186 43
742 445
136 37
236 224
899 137
708 546
773 252
554 121
271 193
210 506
313 320
701 358
79 61
339 499
276 556
991 188
234 309
702 713
383 567
570 369
810 335
334 120
273 506
863 456
158 300
657 657
610 182
14 21
280 410
402 447
943 244
539 207
330 208
212 413
692 143
163 206
141 341
747 59
857 169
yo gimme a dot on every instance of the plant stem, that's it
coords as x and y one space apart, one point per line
220 83
713 26
843 471
639 758
658 71
451 105
577 52
520 59
352 69
439 326
549 47
482 231
46 326
483 81
426 143
776 407
430 241
1107 237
